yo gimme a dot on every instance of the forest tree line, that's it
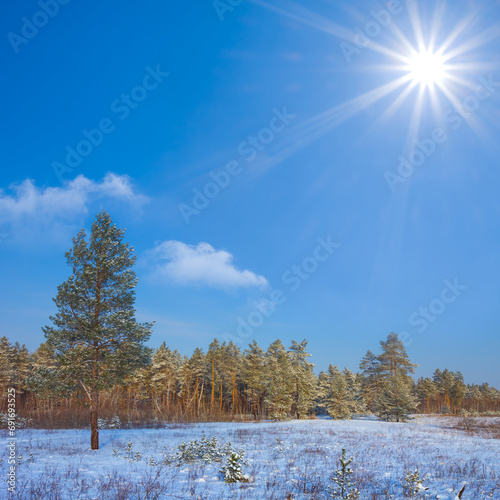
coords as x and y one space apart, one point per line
226 382
96 362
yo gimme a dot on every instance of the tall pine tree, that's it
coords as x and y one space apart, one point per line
341 392
304 381
96 338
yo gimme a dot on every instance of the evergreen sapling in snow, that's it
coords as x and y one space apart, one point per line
344 486
412 484
232 472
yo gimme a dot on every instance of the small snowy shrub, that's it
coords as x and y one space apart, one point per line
412 484
102 424
445 410
20 423
232 471
130 456
278 449
112 423
115 423
469 413
205 451
344 487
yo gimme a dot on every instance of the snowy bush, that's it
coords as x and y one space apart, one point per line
412 484
205 451
21 423
130 456
232 471
112 423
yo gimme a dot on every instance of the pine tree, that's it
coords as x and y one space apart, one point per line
7 366
396 401
232 472
344 486
255 376
223 371
197 366
232 365
444 380
426 389
458 390
43 380
394 360
371 377
342 393
22 367
213 358
279 384
185 382
96 337
165 369
304 381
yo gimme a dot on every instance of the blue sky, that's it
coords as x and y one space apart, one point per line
356 195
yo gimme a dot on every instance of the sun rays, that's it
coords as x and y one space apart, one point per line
430 62
427 68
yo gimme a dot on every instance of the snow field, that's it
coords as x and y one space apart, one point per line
285 460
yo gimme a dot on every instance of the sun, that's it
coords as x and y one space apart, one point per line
426 68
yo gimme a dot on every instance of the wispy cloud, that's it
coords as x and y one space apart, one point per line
200 264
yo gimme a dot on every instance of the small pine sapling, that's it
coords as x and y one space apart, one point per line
412 484
344 486
232 472
278 449
130 455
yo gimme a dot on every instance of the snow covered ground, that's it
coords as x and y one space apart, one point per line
58 464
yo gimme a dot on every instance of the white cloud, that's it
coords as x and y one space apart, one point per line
201 264
27 201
